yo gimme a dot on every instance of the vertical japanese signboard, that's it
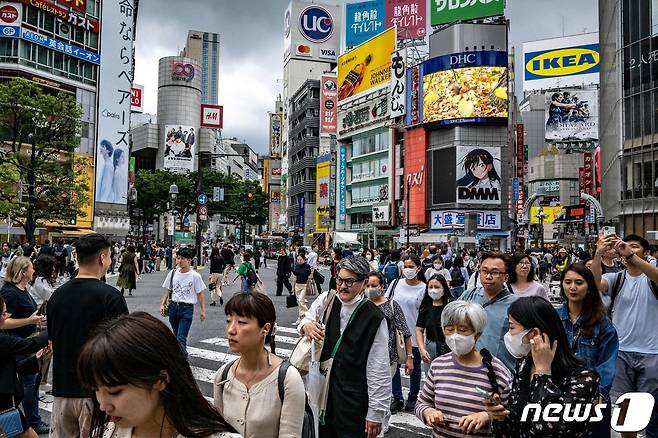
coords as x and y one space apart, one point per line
328 104
275 134
520 149
322 208
398 83
342 183
413 97
588 169
363 21
409 16
115 84
581 179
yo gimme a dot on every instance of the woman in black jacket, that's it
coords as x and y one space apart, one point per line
283 271
11 389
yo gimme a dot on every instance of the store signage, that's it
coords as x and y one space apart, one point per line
212 116
413 83
363 116
562 62
588 172
409 16
66 16
61 46
454 219
380 214
10 20
81 5
398 83
275 196
575 212
316 24
550 186
416 178
137 98
181 71
342 178
448 11
328 105
364 20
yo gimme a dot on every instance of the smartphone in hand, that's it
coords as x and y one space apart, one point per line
488 396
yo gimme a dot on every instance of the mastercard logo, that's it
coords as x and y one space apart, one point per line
304 50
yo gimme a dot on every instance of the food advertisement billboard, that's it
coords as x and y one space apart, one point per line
363 20
572 115
367 66
478 175
179 147
465 87
447 11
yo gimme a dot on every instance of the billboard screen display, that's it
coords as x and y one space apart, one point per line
367 66
179 142
465 87
572 116
115 77
478 175
363 21
410 16
447 11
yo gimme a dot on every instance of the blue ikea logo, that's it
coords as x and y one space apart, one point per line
568 61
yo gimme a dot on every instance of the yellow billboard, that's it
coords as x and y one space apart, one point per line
552 213
366 66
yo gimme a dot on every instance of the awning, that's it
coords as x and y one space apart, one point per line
71 232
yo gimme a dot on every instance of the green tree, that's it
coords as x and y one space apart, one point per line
41 179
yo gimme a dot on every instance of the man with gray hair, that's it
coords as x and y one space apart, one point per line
356 337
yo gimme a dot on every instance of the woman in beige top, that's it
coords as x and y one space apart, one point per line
248 398
143 385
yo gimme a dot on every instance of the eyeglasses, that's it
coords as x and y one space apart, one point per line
349 282
486 273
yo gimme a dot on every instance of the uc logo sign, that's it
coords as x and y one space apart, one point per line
316 24
562 62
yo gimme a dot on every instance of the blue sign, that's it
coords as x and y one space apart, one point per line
363 21
302 211
9 31
486 58
202 199
316 24
61 46
515 189
342 164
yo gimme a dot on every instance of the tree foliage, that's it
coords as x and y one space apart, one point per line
40 178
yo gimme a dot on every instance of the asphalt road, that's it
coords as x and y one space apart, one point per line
207 344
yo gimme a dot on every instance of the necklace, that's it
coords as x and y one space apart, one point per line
256 373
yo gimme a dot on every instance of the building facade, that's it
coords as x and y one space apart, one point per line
204 47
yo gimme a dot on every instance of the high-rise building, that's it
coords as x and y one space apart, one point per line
204 47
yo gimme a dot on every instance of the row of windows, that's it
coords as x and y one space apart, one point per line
640 175
370 169
372 143
365 195
46 23
640 114
636 19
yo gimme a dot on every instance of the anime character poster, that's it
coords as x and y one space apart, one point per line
179 147
478 175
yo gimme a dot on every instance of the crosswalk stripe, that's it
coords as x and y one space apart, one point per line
223 342
292 331
277 338
216 356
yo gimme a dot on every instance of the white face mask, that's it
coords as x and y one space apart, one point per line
435 293
354 300
515 345
460 344
438 266
409 273
374 292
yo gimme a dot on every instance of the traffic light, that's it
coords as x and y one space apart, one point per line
73 220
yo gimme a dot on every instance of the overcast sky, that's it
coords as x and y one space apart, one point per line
251 48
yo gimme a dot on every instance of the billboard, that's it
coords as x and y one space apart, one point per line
212 116
115 84
322 209
410 17
447 11
72 49
465 87
367 66
363 21
137 98
397 92
179 147
65 17
454 219
10 19
478 175
311 32
572 115
561 62
551 213
342 183
275 134
328 104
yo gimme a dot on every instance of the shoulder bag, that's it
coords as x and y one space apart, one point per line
171 288
10 422
300 356
399 338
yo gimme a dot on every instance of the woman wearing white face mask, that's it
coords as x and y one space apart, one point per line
431 341
450 401
437 269
372 260
408 292
546 372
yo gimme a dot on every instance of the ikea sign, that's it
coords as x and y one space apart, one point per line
555 63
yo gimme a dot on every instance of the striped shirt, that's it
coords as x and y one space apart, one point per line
450 388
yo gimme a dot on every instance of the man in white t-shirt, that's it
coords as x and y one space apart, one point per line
186 290
634 302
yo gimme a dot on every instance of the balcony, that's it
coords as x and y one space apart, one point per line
309 103
304 163
308 122
306 142
307 186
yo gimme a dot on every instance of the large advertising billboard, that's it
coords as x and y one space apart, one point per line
10 19
367 66
465 87
572 115
447 11
363 20
410 17
275 134
115 84
322 209
478 175
328 104
561 62
342 183
179 147
311 31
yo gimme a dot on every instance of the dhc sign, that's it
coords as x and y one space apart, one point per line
569 61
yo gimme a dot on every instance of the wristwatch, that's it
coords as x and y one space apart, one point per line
410 355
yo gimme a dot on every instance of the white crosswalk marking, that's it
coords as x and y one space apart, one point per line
223 342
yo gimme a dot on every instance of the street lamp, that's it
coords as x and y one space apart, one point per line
173 194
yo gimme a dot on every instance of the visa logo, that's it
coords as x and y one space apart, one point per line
328 53
562 62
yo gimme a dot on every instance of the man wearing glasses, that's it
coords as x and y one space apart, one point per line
496 299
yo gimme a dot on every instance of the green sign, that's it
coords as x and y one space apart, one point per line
184 237
448 11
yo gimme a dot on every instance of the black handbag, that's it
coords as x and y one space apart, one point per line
10 422
319 278
291 301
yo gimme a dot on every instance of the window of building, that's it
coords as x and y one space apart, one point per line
31 15
8 49
48 22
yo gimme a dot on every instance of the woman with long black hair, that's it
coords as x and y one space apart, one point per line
547 372
431 341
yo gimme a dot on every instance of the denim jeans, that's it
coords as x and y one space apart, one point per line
180 318
414 380
31 399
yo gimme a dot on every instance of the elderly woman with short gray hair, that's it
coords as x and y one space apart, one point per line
452 398
356 336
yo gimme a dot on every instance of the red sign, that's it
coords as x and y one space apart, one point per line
137 98
328 105
78 5
581 179
8 14
63 14
212 116
409 16
276 172
520 154
415 147
588 174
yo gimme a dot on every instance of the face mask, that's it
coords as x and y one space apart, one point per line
409 273
515 345
354 300
373 292
460 344
438 266
368 257
435 294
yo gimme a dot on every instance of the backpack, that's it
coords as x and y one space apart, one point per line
456 277
251 276
308 427
390 272
618 283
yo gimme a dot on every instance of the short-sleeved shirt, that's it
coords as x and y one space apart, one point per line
20 305
74 311
409 299
535 288
634 314
186 286
430 320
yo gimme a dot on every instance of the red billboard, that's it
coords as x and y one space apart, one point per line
409 16
588 172
328 105
415 174
78 5
212 116
72 18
